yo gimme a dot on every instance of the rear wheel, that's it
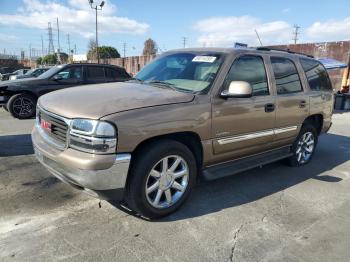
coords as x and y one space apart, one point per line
304 146
22 106
161 179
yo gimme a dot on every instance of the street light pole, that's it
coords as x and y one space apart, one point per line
97 52
97 7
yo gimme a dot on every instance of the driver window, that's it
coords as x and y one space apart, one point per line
73 74
251 69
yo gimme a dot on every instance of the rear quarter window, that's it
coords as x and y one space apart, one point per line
316 75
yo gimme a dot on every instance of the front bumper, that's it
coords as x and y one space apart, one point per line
85 171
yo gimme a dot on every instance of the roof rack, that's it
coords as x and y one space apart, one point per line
282 50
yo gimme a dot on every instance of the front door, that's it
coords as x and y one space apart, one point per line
68 77
244 126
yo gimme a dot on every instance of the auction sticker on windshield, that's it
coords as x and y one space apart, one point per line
206 59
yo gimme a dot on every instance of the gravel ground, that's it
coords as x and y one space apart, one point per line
274 213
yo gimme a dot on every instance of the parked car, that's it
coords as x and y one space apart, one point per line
31 73
19 97
15 73
190 113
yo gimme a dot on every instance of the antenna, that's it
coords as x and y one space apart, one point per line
296 33
257 34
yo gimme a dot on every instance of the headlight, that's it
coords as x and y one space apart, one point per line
93 136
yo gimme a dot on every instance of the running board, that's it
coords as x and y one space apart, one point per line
240 165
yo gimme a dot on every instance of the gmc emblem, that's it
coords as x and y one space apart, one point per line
45 125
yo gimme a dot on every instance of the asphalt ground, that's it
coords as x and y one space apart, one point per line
273 213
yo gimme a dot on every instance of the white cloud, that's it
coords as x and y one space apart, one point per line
286 10
224 31
76 18
329 30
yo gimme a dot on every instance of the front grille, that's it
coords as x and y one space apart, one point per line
59 128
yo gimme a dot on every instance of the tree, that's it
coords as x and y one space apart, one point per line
104 52
50 59
150 47
39 60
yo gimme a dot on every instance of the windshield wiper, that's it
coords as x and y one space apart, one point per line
135 79
162 83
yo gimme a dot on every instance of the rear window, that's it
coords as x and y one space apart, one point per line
286 75
316 75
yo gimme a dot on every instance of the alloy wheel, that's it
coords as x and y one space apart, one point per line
167 181
23 106
305 147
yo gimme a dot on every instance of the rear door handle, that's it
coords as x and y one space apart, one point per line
302 104
269 108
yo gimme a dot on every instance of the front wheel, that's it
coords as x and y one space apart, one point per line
304 146
22 106
161 178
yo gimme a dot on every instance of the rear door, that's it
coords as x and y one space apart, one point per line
95 74
244 126
292 105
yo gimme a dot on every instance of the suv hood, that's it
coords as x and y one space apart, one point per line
96 101
19 82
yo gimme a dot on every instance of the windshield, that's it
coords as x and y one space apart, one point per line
50 72
29 72
183 71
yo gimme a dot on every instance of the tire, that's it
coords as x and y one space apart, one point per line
147 172
22 106
304 146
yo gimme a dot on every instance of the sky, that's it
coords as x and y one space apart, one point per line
220 23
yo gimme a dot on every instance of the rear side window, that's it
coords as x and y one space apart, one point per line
316 75
250 69
286 75
95 73
113 74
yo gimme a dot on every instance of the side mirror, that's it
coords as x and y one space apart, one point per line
57 77
239 89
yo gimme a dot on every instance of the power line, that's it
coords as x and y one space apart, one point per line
296 33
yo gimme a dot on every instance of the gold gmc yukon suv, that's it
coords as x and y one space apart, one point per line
191 113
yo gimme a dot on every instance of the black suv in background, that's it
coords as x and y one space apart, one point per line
19 96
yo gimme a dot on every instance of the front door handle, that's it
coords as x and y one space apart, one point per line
302 104
269 107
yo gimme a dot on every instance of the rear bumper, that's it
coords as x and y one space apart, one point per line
105 183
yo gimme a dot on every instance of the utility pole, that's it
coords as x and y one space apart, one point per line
58 36
68 42
296 33
184 40
51 47
42 46
75 49
124 49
